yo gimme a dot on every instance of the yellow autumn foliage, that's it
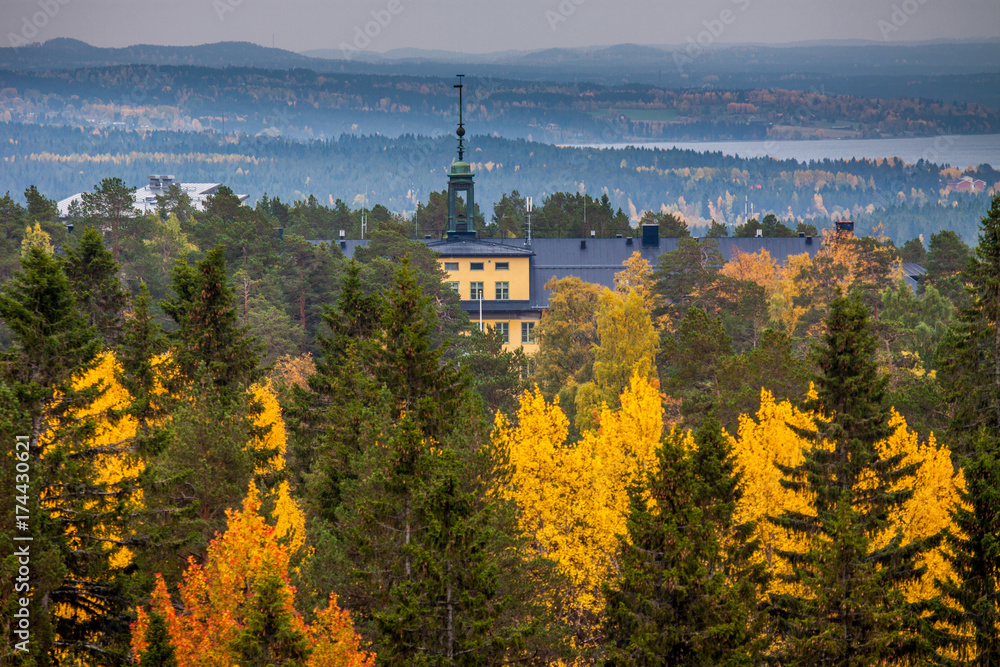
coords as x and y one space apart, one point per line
115 463
573 496
275 436
768 439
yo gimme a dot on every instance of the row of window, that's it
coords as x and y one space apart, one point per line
527 331
476 290
478 266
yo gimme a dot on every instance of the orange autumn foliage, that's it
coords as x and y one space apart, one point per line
215 599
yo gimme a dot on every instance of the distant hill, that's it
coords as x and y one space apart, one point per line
71 53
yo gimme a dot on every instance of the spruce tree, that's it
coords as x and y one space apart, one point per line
969 357
851 609
688 588
208 335
970 360
338 411
159 651
269 637
426 559
72 509
93 275
971 604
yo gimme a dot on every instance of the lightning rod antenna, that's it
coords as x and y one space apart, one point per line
461 126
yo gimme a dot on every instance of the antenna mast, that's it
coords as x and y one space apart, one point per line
461 126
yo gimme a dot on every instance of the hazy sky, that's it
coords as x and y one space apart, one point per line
491 25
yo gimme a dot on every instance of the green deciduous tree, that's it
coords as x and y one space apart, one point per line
567 334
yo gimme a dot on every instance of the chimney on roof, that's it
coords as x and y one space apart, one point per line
760 233
593 234
802 235
845 226
341 233
651 235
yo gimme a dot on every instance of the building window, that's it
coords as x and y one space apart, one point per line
527 332
502 266
453 284
475 266
503 291
504 329
451 266
475 291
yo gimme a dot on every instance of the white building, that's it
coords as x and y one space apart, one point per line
145 197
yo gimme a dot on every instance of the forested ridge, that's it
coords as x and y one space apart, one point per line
907 197
316 104
245 449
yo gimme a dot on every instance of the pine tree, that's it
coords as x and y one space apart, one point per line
851 609
93 274
687 593
112 203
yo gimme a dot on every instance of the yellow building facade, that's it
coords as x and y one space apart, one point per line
494 283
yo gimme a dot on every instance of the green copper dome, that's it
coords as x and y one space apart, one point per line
461 168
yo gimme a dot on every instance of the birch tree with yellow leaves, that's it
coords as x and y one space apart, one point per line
573 497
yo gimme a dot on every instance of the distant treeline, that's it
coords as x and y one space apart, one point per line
400 173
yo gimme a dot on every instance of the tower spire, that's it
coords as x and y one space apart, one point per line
461 126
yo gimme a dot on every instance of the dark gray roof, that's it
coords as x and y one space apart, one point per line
480 248
598 260
494 307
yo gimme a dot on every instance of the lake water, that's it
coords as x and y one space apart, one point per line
959 151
